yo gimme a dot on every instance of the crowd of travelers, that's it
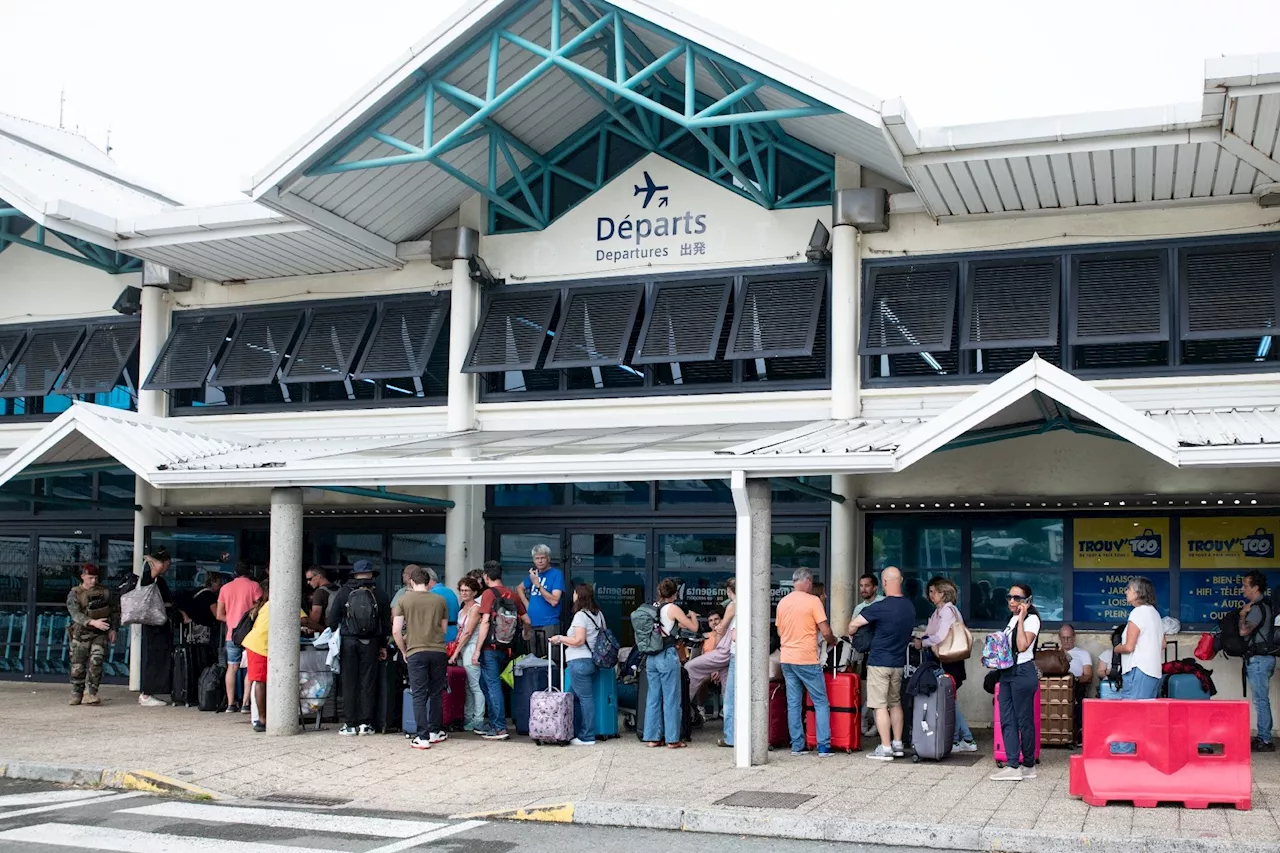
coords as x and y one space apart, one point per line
427 631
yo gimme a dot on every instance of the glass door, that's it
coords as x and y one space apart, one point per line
15 574
116 561
616 564
58 563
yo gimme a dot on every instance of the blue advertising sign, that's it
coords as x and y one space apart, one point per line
1209 595
1100 596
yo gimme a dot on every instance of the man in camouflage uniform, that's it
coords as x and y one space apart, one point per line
95 615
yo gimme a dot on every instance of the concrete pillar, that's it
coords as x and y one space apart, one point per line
753 504
153 331
286 593
458 545
846 552
462 325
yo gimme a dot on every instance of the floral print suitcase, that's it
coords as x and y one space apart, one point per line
551 712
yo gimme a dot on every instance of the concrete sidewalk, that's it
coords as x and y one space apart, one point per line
946 805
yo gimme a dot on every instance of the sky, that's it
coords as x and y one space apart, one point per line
195 97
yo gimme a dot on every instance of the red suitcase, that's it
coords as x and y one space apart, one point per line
455 697
843 694
999 747
779 735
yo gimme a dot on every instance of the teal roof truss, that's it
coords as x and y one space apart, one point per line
14 225
693 106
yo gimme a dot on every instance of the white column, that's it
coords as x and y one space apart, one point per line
286 594
846 552
462 324
752 504
153 330
457 535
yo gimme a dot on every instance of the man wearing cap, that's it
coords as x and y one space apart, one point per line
363 613
95 616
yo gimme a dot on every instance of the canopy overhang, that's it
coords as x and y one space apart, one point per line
181 455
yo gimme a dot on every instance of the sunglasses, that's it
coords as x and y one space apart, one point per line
1017 598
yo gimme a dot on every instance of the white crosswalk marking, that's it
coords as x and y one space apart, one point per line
290 819
133 841
37 798
426 838
53 807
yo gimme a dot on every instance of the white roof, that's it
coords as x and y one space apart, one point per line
194 456
402 203
1218 148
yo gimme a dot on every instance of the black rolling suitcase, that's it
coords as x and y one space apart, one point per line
188 660
686 708
389 708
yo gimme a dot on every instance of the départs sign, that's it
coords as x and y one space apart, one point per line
651 232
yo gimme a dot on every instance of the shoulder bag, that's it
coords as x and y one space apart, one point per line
957 645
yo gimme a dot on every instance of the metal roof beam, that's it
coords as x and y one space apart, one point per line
1233 144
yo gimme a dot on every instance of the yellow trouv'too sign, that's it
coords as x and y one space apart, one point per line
1121 543
1233 542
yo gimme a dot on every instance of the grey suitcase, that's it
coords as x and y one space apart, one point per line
551 712
933 721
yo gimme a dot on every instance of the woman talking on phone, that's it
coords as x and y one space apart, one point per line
1018 685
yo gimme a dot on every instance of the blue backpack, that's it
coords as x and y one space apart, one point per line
604 654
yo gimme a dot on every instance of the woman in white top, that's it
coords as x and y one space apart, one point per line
1018 685
586 626
662 708
467 653
943 593
1141 653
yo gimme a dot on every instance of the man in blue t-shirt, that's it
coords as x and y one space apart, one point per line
450 599
892 620
543 594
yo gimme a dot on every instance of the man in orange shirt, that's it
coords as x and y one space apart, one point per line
800 619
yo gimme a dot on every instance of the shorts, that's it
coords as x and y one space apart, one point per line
234 653
257 666
884 686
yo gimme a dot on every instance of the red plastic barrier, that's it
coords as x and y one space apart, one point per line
1189 752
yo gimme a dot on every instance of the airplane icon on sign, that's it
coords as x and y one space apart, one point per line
650 189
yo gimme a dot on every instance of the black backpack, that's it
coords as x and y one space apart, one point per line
360 618
1114 675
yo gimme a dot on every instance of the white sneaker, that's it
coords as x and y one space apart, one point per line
366 730
151 702
899 751
438 737
881 753
1009 774
1028 773
576 742
964 746
419 743
348 731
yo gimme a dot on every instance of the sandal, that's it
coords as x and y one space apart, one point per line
677 745
654 743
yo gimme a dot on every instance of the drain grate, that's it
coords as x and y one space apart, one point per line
765 800
304 799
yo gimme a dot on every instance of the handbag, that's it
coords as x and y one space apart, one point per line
957 645
1207 647
1052 661
143 605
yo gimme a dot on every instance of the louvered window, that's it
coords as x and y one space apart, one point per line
1120 298
404 338
328 344
776 318
595 326
190 352
514 327
1011 306
683 321
102 359
10 341
39 364
1230 293
910 310
257 349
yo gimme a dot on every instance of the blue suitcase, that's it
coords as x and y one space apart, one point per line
1183 685
606 696
528 682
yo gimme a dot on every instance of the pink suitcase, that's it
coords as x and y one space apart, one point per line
551 712
999 747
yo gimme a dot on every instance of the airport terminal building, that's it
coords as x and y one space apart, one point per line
608 277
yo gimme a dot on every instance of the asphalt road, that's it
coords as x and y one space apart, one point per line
40 817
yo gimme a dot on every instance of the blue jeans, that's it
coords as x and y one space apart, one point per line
799 678
1018 685
491 666
662 712
963 732
728 701
1259 670
582 680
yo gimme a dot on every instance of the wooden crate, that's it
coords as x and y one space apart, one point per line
1057 710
